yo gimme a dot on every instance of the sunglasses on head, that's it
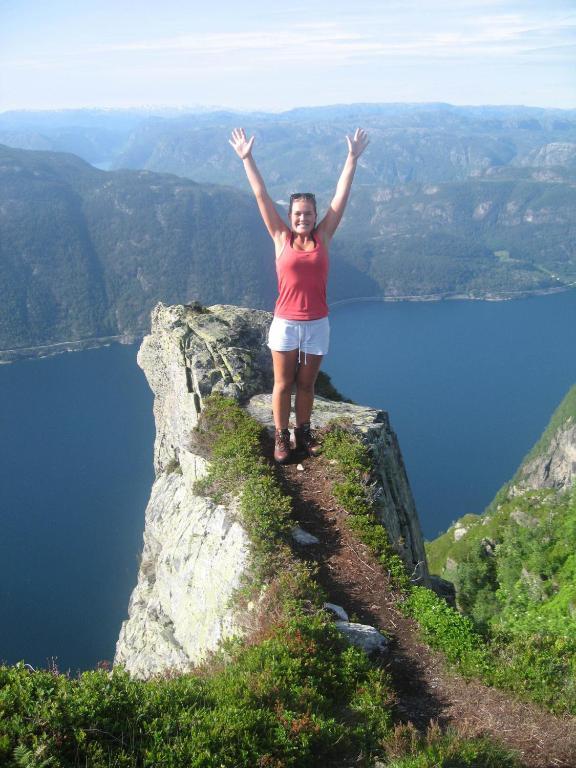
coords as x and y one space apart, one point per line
303 196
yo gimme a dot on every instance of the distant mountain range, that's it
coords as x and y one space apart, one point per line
410 142
477 202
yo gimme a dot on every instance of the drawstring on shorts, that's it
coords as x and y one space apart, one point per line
300 343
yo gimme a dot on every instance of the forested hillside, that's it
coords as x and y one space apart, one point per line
87 253
468 202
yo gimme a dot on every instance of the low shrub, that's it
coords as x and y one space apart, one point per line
409 749
294 695
301 697
448 630
537 665
540 666
351 488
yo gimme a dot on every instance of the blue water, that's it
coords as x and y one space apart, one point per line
469 386
76 447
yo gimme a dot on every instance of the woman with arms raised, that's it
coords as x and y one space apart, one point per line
300 331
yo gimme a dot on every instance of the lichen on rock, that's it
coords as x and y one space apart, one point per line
196 552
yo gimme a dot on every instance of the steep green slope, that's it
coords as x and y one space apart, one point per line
453 546
515 566
87 253
558 439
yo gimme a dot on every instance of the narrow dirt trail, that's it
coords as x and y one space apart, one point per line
426 689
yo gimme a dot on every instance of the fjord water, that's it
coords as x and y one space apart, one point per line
76 445
469 387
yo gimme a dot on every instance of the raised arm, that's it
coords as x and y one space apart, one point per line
356 145
243 148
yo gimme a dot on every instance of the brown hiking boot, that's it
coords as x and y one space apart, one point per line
282 446
305 440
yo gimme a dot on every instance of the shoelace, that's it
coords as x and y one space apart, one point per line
282 440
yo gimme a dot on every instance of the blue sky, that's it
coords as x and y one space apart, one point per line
256 55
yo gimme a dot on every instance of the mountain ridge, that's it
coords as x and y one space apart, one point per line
86 253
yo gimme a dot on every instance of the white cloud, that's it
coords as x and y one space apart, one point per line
331 44
412 39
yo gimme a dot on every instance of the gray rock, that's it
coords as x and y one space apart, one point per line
554 468
195 551
365 637
193 559
192 352
451 564
304 538
337 610
459 531
524 519
393 498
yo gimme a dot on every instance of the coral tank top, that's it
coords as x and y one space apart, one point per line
302 278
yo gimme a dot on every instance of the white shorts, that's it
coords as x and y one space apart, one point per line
309 336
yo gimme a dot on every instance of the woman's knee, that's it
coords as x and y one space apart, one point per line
305 386
283 386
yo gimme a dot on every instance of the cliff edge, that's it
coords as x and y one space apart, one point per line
552 461
195 550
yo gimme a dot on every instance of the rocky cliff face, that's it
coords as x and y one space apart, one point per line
555 468
195 551
552 461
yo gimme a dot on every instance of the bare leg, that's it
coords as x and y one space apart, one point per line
285 365
305 379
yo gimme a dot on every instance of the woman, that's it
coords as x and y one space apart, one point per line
300 331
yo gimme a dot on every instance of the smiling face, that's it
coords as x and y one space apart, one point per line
302 216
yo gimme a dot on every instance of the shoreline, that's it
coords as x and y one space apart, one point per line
430 297
20 354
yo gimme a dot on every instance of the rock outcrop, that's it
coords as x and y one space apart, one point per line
552 461
394 501
195 551
556 468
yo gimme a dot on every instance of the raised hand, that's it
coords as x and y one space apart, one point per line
241 145
358 143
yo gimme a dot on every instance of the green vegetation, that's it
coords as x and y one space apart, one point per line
293 694
447 630
528 646
233 440
352 491
515 578
563 416
514 569
300 696
409 749
443 207
537 666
